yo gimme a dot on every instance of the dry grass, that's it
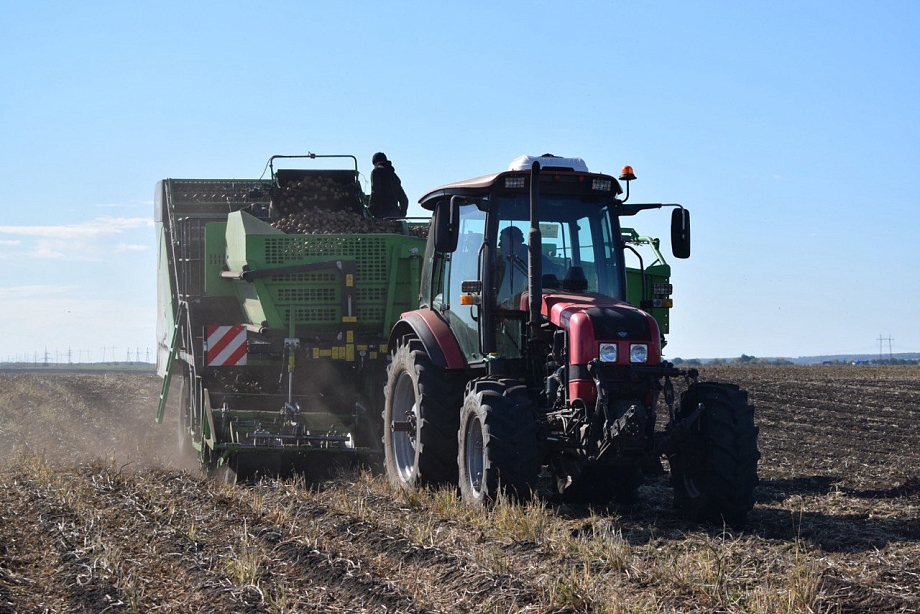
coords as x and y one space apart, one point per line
108 523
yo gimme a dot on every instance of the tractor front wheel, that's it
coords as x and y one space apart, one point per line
714 468
498 446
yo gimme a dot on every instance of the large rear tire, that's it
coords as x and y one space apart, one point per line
714 469
421 417
498 446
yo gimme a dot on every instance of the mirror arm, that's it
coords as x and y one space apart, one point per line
626 210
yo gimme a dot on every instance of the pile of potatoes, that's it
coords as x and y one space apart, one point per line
321 205
213 191
325 222
311 193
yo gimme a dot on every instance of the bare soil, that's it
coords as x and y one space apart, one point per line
97 514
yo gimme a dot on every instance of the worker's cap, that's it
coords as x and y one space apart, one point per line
379 157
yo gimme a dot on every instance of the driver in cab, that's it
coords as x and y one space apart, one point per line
511 269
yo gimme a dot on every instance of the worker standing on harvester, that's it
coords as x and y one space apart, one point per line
388 199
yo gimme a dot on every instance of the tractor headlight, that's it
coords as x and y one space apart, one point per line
607 352
638 352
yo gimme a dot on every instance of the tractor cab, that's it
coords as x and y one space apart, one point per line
508 248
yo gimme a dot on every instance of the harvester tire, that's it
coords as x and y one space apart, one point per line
714 468
600 485
421 418
183 433
498 444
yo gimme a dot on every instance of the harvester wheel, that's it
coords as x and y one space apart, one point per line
600 485
420 419
183 432
714 469
498 446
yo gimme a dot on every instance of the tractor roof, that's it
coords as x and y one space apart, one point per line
551 166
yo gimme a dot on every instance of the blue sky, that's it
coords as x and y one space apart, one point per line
790 130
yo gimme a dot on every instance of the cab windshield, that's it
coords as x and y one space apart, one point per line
579 247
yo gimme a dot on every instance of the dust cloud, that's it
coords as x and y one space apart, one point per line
79 417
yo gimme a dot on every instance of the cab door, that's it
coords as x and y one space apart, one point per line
450 270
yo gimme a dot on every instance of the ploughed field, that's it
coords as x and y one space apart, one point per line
96 514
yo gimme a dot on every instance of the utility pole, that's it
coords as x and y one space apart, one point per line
881 340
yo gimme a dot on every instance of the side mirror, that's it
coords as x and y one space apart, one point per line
680 233
446 227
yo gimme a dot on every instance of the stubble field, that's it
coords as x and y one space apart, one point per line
96 514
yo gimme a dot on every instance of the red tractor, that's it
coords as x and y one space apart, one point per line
525 358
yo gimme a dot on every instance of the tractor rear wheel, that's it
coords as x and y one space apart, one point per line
714 469
420 419
498 446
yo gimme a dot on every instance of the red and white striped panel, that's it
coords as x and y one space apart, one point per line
226 346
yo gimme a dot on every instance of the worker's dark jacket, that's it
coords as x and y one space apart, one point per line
388 199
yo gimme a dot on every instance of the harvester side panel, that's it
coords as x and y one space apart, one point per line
316 309
657 274
325 283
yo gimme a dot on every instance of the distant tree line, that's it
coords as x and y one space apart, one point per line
744 359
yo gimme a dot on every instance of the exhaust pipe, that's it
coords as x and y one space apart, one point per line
535 253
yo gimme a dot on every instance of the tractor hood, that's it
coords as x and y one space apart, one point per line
612 318
593 318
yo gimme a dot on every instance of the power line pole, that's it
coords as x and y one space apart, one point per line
881 341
